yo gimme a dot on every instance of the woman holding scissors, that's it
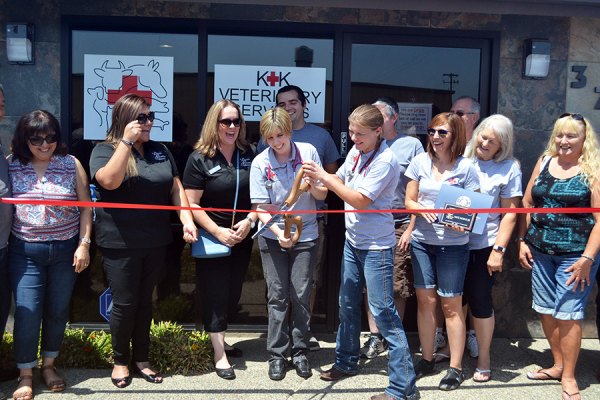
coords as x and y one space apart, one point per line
287 262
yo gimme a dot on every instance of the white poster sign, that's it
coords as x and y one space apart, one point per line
107 78
413 118
255 88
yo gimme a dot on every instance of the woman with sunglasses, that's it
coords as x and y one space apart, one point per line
128 167
439 252
367 181
287 261
217 170
491 150
48 247
561 250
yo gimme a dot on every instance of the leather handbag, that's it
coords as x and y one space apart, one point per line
209 246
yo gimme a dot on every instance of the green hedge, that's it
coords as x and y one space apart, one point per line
172 350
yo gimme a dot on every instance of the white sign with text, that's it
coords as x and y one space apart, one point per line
254 88
413 118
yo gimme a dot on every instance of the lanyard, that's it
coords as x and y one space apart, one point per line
271 174
365 165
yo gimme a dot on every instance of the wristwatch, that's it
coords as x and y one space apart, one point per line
501 249
252 223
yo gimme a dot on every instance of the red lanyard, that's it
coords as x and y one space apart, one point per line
297 161
365 165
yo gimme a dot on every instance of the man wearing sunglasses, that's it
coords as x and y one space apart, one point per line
468 109
293 100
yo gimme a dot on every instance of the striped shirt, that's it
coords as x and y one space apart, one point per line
41 223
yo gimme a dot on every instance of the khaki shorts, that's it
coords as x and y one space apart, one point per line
403 273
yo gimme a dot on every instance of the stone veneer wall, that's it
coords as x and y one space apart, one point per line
532 105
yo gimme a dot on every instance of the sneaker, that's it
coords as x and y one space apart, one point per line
373 347
472 347
313 344
424 367
440 341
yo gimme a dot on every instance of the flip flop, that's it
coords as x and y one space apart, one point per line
485 373
570 395
545 376
441 357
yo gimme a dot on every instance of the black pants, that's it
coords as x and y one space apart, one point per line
132 275
220 282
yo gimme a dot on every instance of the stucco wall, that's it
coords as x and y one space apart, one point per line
532 105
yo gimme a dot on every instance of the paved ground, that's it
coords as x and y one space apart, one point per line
512 359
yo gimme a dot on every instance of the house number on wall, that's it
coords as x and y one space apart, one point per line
581 81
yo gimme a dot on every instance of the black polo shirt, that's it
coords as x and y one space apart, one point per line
118 228
217 179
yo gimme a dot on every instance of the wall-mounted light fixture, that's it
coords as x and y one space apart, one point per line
536 58
19 43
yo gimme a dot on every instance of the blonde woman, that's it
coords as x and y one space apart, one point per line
210 180
287 265
130 168
561 250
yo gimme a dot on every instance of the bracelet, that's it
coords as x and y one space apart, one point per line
520 239
588 258
127 142
85 240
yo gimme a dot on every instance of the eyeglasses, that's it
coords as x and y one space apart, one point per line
143 118
461 113
441 132
227 122
39 140
575 116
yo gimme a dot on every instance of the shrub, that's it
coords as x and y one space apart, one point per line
172 350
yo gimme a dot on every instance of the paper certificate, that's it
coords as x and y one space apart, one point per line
454 197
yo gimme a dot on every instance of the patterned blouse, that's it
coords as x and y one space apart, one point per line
560 233
37 222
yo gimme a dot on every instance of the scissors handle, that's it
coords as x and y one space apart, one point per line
288 222
298 188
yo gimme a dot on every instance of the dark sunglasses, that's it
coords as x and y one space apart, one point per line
442 132
38 140
143 118
575 116
461 113
227 122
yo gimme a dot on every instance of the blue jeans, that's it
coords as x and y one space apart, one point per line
550 293
42 277
375 269
4 290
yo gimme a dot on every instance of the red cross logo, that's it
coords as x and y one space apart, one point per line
272 79
129 85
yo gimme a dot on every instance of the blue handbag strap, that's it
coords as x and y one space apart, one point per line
237 187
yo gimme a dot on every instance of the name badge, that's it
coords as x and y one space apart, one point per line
214 169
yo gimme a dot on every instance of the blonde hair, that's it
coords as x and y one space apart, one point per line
208 143
275 119
125 110
503 129
589 161
368 116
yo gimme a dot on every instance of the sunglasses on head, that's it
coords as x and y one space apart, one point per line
441 132
575 116
39 140
227 122
462 113
143 118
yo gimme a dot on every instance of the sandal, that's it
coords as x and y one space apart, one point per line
570 395
24 392
485 375
54 385
454 377
541 375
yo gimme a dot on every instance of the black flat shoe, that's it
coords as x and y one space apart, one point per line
277 369
121 383
225 373
234 352
152 378
302 367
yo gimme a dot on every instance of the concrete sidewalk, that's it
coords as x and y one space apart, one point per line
511 358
